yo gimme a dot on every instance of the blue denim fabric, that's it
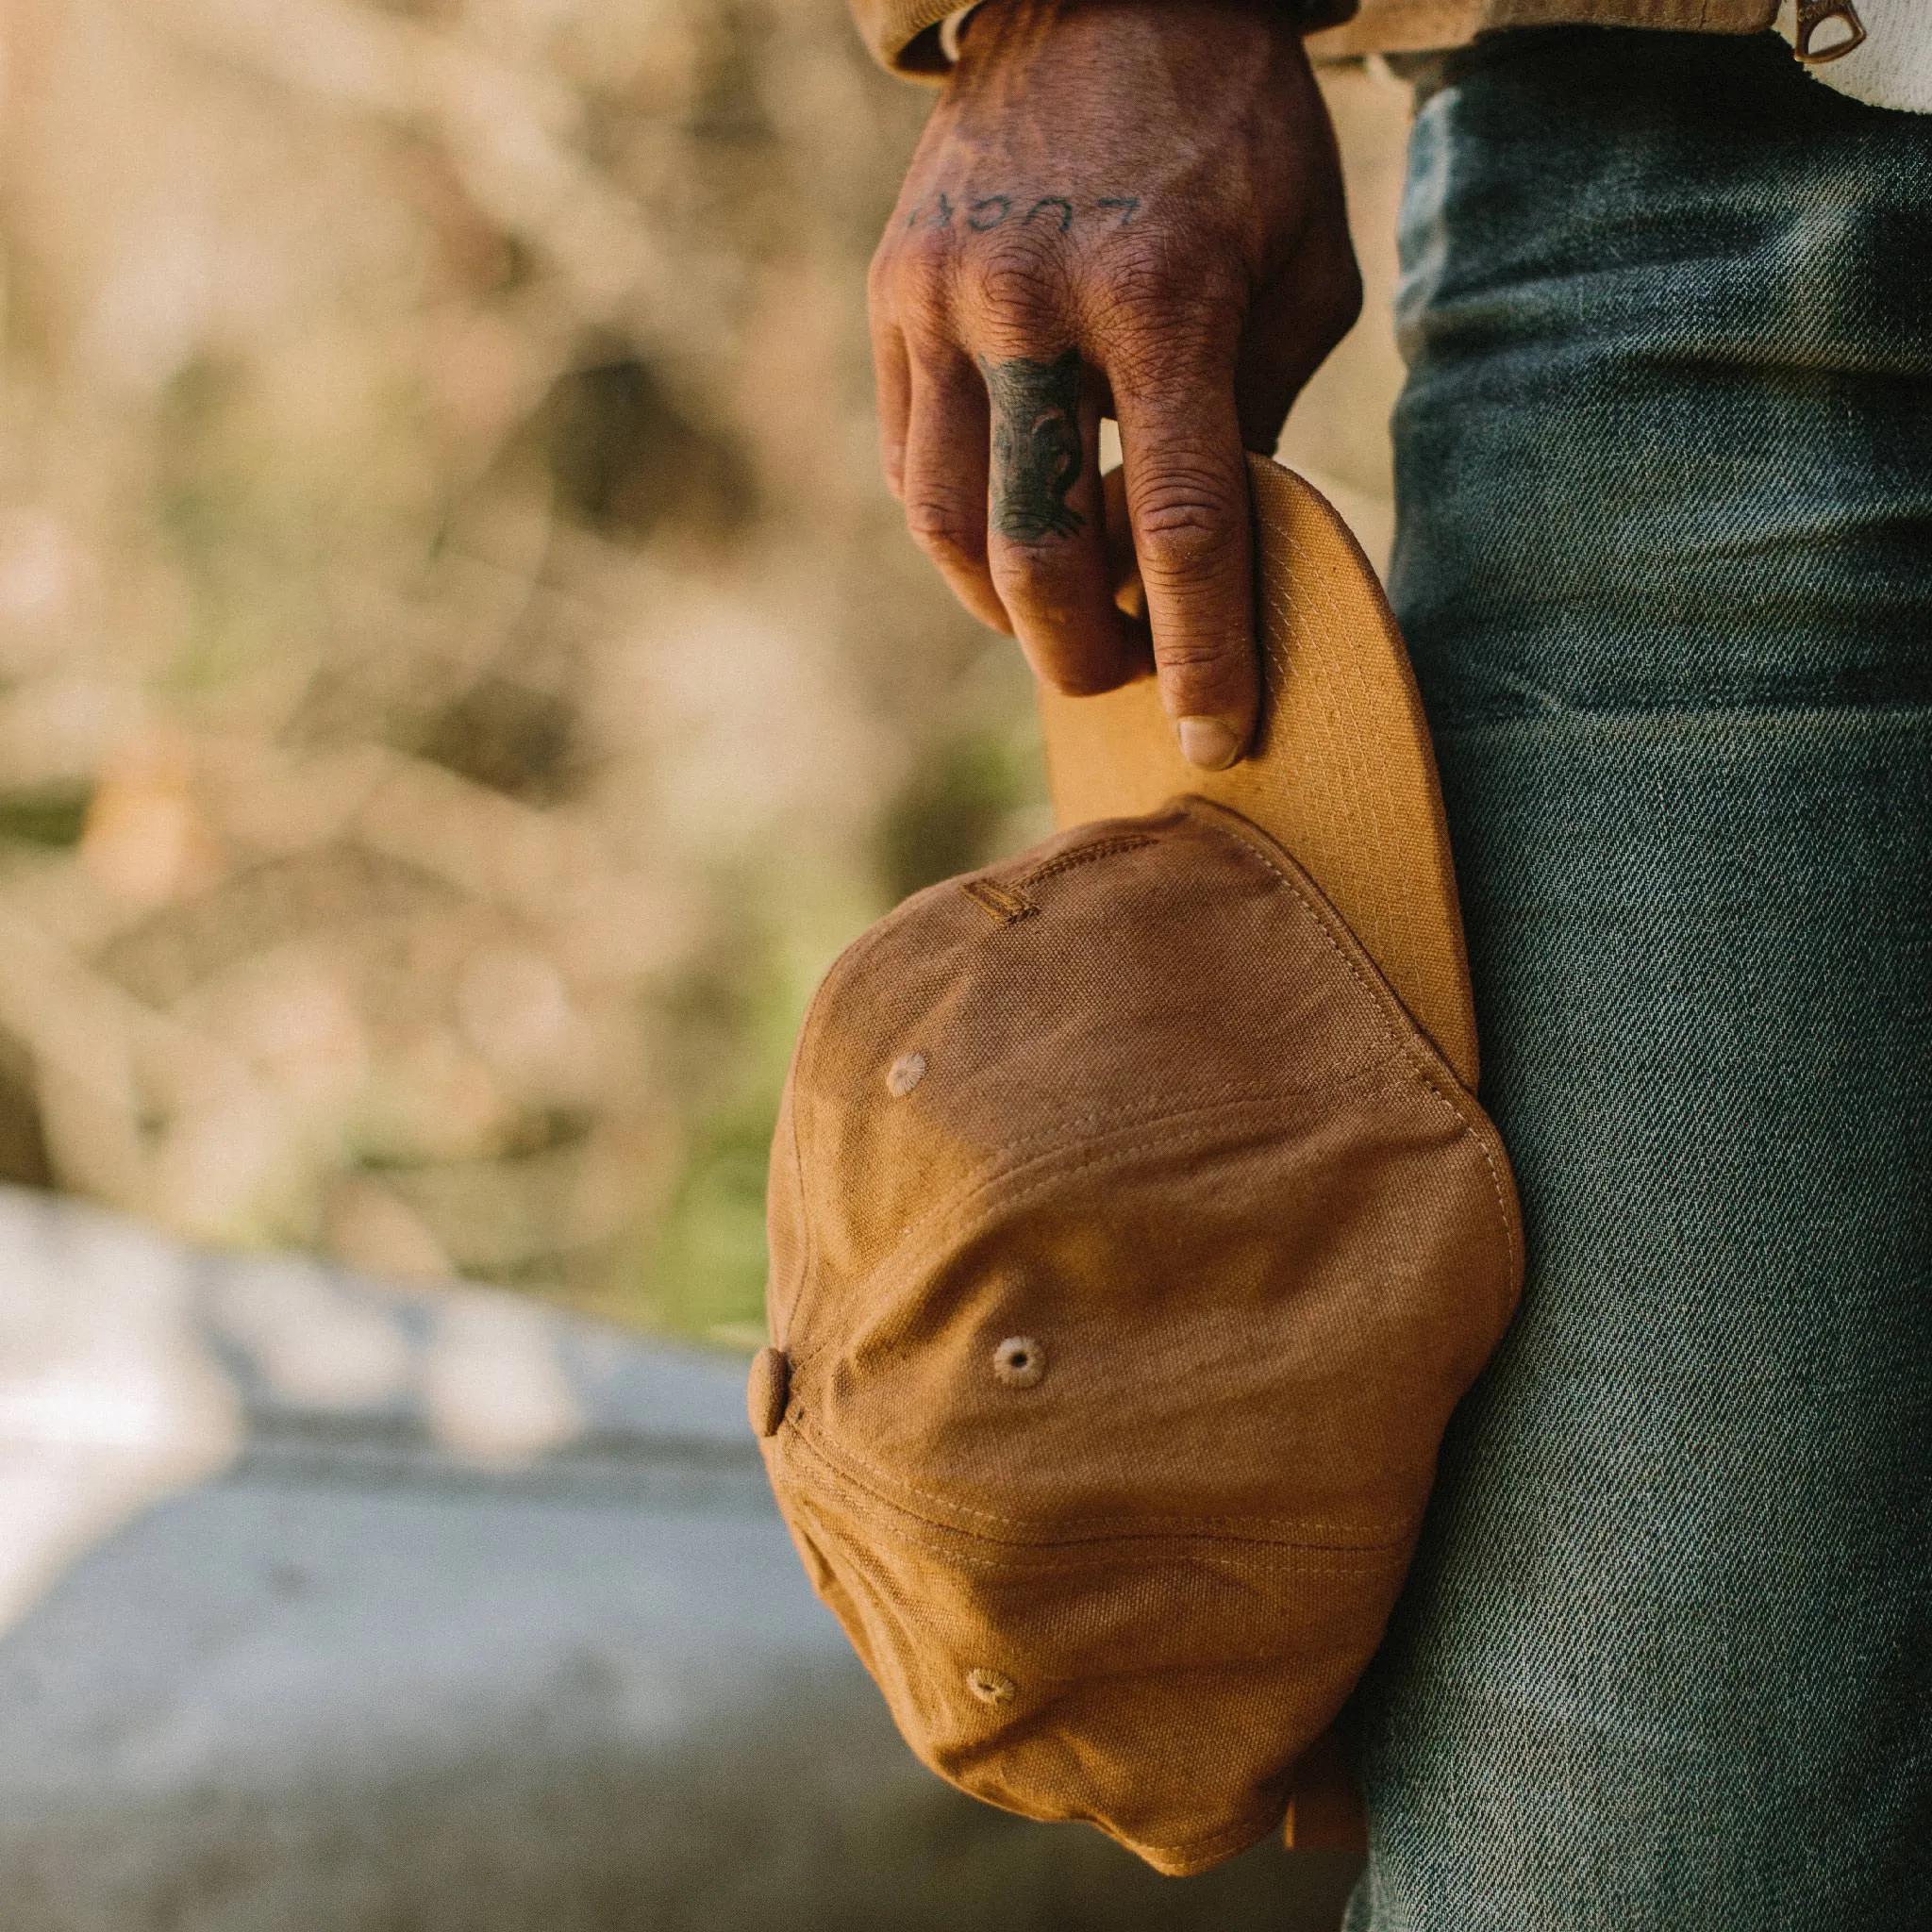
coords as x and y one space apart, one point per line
1665 564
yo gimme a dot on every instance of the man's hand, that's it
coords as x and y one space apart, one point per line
1119 207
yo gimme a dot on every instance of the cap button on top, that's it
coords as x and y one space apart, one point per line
767 1390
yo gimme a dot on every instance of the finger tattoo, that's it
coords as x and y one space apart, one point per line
1036 451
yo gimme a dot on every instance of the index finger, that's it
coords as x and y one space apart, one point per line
892 379
1186 489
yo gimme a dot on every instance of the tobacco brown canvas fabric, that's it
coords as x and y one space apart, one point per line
1130 1247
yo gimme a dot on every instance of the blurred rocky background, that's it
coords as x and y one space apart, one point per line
461 674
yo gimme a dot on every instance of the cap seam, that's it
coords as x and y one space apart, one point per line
1052 1165
1114 843
809 1044
1293 1533
1218 819
1235 829
1233 1839
1046 1150
1194 1854
873 1594
877 935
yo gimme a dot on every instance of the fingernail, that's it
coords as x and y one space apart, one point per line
1208 743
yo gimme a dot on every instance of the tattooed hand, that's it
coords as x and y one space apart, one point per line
1119 207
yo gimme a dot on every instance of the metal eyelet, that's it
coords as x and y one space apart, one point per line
1019 1361
990 1687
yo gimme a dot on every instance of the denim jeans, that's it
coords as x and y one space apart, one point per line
1665 560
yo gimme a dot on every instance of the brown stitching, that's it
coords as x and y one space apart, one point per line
891 1622
1403 1040
855 1460
1004 904
1085 855
1258 1532
1261 1821
1049 1145
1400 1039
1048 1151
809 1047
1007 903
1404 1044
1342 1550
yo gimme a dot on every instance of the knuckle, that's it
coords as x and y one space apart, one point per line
910 268
944 531
1197 664
932 336
923 293
1186 531
1162 315
1199 676
1151 280
1035 563
1018 284
1055 602
1159 351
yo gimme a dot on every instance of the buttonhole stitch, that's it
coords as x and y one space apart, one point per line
905 1074
990 1687
1019 1361
1005 905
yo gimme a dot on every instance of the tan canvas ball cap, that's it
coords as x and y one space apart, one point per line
1130 1247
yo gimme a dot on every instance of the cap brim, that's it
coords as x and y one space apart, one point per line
1341 771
